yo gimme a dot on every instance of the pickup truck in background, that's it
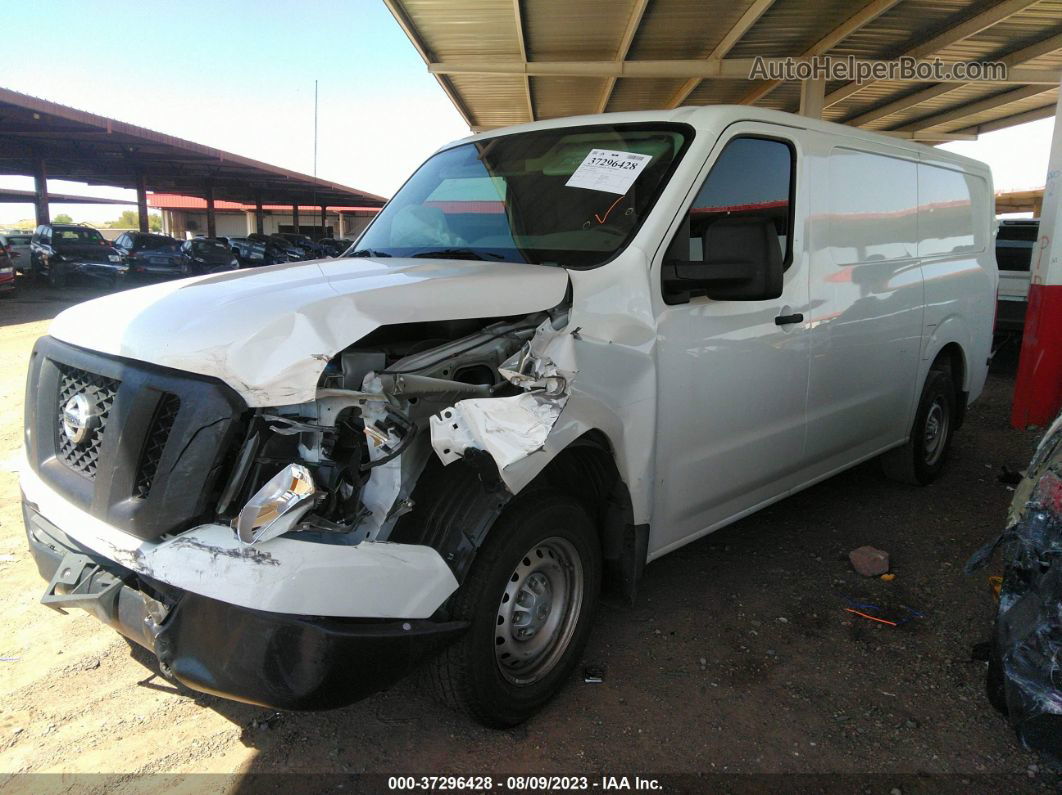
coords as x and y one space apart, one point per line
1015 241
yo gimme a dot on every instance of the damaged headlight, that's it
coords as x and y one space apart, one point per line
277 506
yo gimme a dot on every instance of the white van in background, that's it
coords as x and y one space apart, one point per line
561 351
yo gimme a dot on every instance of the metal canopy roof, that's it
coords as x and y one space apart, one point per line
13 196
81 146
512 61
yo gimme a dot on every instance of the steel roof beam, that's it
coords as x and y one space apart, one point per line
1025 54
726 44
966 110
633 23
951 35
861 18
519 20
726 69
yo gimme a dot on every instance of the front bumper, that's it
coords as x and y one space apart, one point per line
93 270
272 659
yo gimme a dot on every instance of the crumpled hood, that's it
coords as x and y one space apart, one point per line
269 332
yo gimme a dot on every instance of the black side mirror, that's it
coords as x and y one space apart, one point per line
742 262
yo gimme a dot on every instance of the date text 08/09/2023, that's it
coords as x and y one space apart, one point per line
521 783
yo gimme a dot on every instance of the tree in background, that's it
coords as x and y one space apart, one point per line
62 218
130 219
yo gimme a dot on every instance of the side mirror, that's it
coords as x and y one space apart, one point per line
742 262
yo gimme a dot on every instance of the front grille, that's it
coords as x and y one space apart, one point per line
158 433
101 390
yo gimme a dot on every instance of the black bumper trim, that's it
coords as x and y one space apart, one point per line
275 660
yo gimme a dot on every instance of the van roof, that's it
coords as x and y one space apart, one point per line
718 117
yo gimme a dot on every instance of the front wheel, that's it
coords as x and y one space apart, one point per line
529 600
920 461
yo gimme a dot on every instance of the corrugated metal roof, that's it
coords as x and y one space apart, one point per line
97 150
490 55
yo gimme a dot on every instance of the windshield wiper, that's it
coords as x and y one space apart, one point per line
368 252
459 253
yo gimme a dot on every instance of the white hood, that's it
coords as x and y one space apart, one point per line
269 332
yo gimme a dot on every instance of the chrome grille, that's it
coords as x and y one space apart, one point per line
101 390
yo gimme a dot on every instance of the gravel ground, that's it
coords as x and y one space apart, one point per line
737 658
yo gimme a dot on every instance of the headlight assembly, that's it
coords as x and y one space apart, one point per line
277 506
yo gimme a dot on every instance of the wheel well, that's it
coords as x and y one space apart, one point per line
952 361
586 470
456 506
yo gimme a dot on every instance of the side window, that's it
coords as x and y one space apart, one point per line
753 177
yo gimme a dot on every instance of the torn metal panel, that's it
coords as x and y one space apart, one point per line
511 428
271 331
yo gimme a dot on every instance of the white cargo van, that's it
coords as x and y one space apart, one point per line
562 350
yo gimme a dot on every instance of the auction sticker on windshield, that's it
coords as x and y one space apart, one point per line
605 170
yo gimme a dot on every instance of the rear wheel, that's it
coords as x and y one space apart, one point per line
920 461
529 599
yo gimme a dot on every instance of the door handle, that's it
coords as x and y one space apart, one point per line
785 320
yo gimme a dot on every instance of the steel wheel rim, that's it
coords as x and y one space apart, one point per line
935 432
538 611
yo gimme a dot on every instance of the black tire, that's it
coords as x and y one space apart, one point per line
920 461
469 675
56 276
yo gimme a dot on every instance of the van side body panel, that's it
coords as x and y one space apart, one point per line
867 297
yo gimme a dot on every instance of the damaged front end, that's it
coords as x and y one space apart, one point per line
343 468
1025 667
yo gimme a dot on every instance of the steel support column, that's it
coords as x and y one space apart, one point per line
295 217
812 93
212 228
1038 391
141 202
259 222
324 211
40 189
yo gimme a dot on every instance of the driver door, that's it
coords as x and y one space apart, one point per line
733 374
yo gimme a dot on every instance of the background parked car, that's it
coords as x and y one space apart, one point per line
278 244
1014 247
253 253
310 249
59 252
208 255
18 247
7 269
333 247
152 257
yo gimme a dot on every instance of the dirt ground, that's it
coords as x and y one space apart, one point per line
738 656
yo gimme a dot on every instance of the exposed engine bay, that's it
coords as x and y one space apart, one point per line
343 467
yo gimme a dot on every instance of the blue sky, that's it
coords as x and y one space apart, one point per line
238 75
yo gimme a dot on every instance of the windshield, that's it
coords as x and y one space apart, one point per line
572 196
205 248
76 236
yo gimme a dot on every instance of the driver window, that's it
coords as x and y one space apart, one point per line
753 177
